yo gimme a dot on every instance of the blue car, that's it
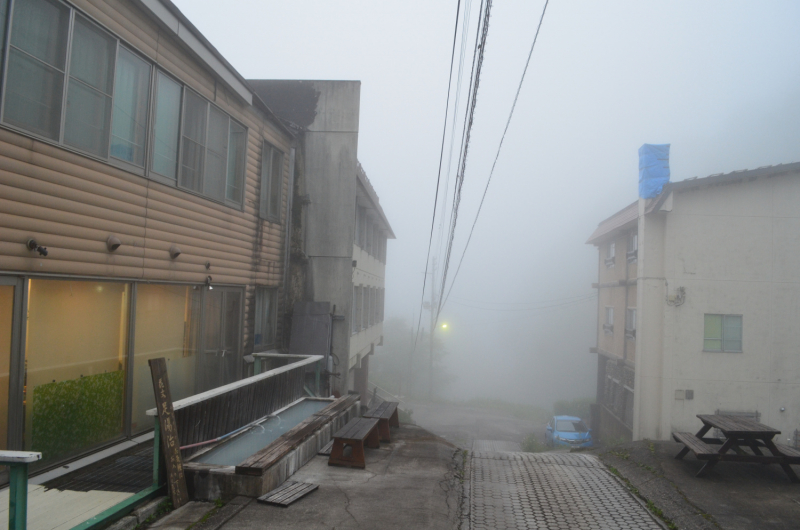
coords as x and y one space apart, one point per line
567 431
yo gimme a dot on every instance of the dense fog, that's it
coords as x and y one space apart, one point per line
719 81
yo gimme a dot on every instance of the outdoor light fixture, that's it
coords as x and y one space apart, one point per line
33 245
113 243
208 283
444 326
174 251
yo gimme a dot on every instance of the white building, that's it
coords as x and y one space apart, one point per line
717 304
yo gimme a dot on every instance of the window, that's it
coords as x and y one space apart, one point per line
70 81
633 246
610 252
131 95
722 333
264 334
37 67
91 80
359 302
354 311
271 182
166 127
630 323
608 327
362 234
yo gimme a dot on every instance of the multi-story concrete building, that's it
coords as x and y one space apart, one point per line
699 293
339 230
143 214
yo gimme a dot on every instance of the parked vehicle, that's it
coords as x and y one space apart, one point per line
567 431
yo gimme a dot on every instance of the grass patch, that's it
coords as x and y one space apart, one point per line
532 444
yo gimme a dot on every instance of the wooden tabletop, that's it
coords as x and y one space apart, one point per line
737 425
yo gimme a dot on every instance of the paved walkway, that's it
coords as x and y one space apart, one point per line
553 491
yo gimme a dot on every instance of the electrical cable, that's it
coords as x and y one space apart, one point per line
478 55
497 155
439 176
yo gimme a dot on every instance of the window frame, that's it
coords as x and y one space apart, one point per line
264 210
722 333
146 171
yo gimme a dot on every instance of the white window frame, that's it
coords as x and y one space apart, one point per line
608 325
630 323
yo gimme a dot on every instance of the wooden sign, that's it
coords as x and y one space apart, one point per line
170 444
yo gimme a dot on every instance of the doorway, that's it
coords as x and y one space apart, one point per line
220 362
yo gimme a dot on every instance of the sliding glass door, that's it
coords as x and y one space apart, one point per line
221 361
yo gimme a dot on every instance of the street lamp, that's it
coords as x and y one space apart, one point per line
444 326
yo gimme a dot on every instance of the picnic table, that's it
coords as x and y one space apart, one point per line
739 433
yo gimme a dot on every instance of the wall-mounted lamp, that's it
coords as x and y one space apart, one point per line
174 251
208 265
208 283
34 246
113 243
783 409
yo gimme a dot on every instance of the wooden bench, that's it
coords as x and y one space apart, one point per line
357 433
386 414
701 450
792 455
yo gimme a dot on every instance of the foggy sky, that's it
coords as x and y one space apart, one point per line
720 81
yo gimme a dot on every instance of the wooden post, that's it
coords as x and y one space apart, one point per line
168 432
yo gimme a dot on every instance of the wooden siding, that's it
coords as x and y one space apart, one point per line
71 203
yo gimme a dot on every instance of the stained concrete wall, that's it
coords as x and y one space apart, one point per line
735 249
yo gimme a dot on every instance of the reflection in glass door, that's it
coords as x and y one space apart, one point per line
220 362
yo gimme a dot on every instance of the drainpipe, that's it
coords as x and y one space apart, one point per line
288 237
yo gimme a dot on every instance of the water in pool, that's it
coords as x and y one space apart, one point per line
239 448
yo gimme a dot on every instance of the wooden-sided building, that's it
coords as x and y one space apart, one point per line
143 191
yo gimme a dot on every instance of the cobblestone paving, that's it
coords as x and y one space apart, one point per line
550 491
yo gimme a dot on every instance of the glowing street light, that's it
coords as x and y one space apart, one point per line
444 326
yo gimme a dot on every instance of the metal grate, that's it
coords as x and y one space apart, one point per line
130 473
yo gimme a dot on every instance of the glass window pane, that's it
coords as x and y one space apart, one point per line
6 319
236 161
712 344
165 126
131 95
75 357
88 117
216 154
264 334
713 327
276 183
194 142
33 95
92 56
39 28
732 333
167 325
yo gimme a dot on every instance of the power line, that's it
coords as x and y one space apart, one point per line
554 300
522 309
480 44
439 176
497 155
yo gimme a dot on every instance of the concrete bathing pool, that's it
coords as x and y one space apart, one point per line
262 456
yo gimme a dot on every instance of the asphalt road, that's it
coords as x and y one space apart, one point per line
463 425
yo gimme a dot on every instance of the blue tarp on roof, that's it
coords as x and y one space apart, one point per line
653 169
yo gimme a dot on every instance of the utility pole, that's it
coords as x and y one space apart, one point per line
433 324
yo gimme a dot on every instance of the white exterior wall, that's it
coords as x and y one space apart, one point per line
735 248
368 272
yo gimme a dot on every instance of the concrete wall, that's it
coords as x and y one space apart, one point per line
735 249
330 165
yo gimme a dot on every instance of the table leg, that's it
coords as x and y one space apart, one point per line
730 442
682 453
18 496
786 467
702 432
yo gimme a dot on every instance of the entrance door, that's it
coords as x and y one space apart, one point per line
220 362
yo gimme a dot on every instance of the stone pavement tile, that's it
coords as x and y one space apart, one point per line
557 490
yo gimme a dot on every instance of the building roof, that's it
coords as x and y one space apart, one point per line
170 17
294 100
627 217
622 219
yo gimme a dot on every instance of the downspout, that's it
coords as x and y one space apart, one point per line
288 236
